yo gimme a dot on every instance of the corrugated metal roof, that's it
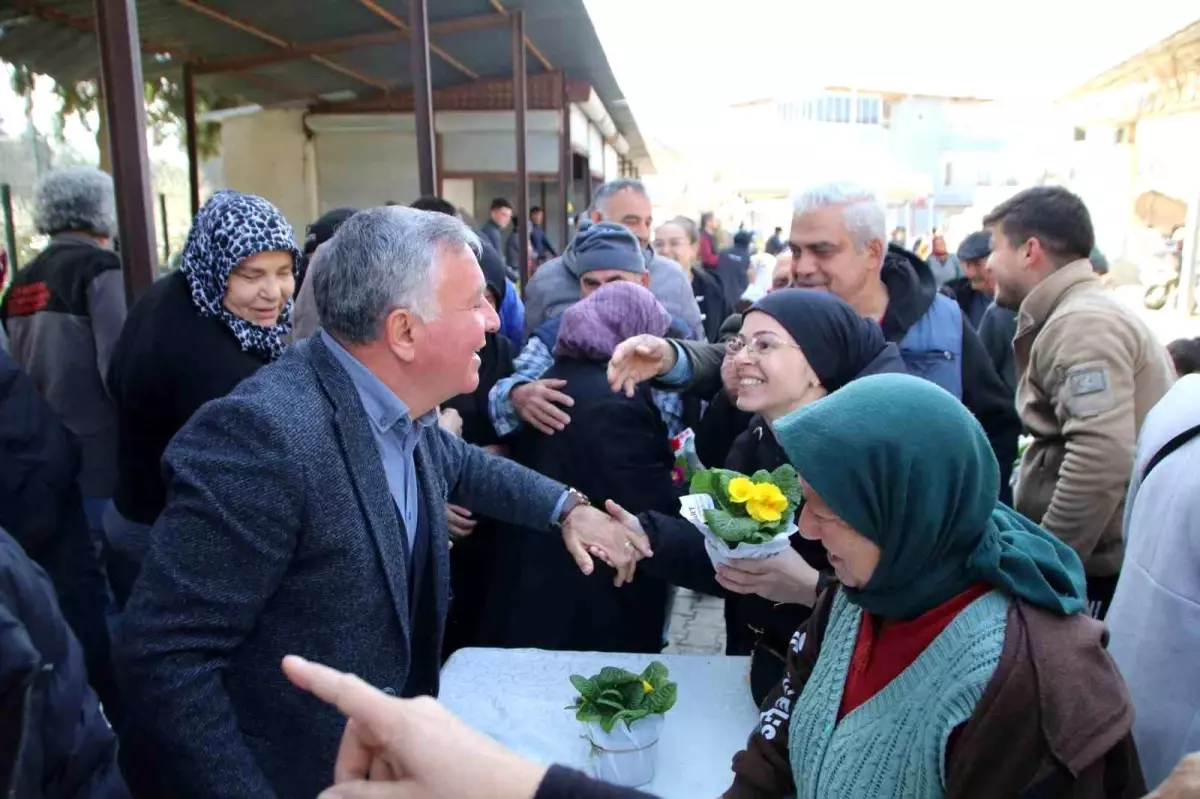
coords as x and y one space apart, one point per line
54 37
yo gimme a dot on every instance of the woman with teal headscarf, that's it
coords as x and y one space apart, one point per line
952 659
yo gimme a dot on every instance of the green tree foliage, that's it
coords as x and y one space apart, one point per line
164 109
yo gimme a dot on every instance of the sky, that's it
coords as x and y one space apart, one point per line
674 58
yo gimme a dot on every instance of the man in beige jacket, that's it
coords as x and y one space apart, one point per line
1088 371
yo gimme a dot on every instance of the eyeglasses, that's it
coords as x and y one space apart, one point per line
757 346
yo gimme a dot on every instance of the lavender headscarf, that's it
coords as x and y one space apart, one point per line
592 328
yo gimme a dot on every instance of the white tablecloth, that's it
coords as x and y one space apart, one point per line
519 697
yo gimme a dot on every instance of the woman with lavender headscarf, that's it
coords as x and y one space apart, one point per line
621 453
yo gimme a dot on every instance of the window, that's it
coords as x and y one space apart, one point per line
868 110
948 174
1080 134
834 108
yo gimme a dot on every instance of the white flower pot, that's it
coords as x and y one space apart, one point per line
626 755
692 508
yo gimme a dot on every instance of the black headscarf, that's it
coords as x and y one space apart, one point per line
494 272
837 342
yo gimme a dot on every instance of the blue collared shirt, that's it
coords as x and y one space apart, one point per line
395 434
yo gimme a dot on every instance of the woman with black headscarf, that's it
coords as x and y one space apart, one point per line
795 347
473 555
192 338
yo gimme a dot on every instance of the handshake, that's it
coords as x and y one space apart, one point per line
616 537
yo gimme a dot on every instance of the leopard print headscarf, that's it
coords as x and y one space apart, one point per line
230 228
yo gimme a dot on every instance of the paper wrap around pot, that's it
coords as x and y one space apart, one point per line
625 756
692 508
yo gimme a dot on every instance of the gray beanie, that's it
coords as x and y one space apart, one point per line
605 245
75 199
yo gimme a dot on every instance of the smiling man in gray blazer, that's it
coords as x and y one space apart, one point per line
306 515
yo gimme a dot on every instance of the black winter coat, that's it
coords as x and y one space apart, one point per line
472 560
41 506
617 449
169 361
54 740
715 307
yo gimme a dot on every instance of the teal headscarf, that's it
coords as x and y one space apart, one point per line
906 465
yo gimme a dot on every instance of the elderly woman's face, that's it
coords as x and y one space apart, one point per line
774 377
781 276
260 286
671 241
852 555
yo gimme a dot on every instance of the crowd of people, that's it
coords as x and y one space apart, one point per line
372 449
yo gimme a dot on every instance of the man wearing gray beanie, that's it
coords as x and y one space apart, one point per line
553 287
64 314
603 253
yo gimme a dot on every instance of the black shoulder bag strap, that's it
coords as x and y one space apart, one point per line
1172 445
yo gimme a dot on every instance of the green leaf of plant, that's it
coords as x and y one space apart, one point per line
703 482
761 476
663 698
729 528
630 716
613 705
610 676
586 687
655 673
788 481
588 712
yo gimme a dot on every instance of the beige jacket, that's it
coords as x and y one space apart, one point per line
1089 372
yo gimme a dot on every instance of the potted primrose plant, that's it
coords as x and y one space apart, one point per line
622 714
743 517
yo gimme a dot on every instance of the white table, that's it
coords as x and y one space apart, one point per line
519 697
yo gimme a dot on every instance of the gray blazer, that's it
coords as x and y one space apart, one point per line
280 536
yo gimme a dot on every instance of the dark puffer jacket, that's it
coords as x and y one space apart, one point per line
54 740
41 507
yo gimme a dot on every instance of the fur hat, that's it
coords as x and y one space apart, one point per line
75 199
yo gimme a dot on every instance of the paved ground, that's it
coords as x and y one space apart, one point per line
697 624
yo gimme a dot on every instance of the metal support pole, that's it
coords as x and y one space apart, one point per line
189 120
418 23
162 215
10 230
566 168
124 99
522 131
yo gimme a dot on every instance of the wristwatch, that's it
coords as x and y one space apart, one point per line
574 500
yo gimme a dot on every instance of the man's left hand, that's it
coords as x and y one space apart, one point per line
587 529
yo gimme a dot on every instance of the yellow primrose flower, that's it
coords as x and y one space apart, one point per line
741 489
647 688
766 504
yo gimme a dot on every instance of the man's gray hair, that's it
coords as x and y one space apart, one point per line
862 212
380 260
611 189
79 199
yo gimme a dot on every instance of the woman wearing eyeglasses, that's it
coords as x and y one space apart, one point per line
795 347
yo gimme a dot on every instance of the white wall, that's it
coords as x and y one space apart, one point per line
485 141
580 127
595 151
460 192
612 167
264 154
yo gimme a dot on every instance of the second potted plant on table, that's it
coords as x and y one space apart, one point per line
622 713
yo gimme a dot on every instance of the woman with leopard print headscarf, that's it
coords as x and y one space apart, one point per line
193 337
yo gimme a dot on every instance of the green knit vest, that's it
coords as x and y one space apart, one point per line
894 744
